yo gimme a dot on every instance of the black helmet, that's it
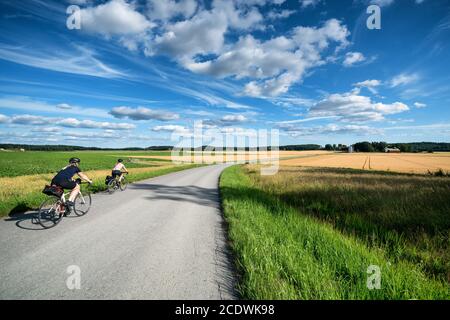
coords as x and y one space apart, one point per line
74 160
120 160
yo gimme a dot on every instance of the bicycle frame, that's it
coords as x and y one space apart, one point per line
63 197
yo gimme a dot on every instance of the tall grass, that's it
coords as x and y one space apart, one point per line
286 252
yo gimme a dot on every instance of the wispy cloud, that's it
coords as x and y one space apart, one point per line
35 105
404 79
80 60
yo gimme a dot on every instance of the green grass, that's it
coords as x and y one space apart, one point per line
288 249
32 200
14 164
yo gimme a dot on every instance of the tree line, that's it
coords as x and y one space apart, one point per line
366 146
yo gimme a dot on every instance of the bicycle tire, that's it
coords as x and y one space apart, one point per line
112 186
49 214
123 184
81 208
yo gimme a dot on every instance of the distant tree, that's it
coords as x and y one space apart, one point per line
328 147
363 147
379 146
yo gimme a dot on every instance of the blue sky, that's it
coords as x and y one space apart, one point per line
138 71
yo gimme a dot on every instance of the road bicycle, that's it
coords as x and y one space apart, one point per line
118 183
54 208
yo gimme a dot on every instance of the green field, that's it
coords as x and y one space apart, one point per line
312 233
14 164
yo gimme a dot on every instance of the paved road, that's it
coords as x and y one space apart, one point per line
162 238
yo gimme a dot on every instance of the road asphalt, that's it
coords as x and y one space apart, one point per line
162 238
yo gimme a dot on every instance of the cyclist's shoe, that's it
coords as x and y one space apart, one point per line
69 204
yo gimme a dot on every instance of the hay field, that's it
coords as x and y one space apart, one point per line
420 163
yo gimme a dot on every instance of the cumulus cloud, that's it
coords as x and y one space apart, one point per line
276 63
371 85
116 17
352 107
168 9
193 35
296 130
32 120
142 113
352 58
234 118
172 128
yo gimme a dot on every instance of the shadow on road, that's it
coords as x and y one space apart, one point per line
202 196
25 221
28 220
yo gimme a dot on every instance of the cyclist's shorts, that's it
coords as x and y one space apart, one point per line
116 173
65 184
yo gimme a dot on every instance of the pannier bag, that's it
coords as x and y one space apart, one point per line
53 191
108 179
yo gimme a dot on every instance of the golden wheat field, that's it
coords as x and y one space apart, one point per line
400 162
408 163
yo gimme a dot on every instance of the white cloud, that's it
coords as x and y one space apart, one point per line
202 34
352 58
233 118
64 106
403 79
352 107
25 103
369 84
280 14
420 105
33 120
276 63
79 60
142 113
116 17
308 3
172 128
3 118
89 124
330 129
168 9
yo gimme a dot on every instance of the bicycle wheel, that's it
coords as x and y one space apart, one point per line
50 212
112 186
82 203
123 184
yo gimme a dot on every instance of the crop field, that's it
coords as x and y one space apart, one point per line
24 174
312 233
13 164
407 163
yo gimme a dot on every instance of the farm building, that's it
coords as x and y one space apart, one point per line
392 150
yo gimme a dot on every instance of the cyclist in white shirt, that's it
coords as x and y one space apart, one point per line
119 169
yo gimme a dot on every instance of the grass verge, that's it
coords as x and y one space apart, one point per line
284 253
